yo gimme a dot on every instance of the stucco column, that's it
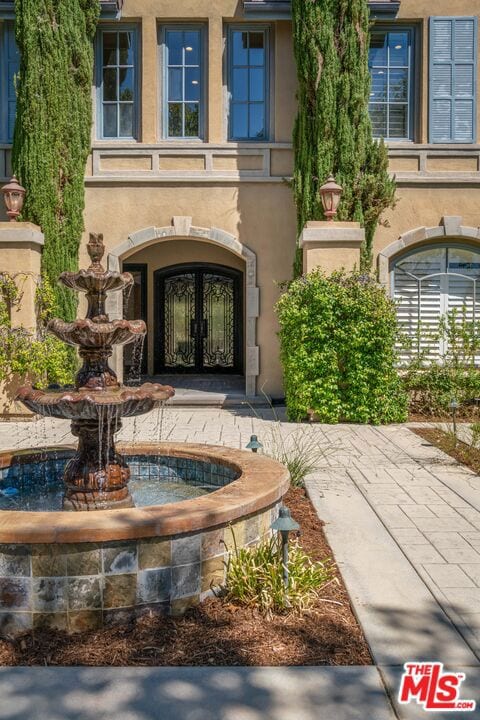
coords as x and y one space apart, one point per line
149 79
20 251
331 245
215 81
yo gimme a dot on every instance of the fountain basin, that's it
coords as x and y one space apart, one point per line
85 570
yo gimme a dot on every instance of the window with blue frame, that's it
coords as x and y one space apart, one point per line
183 83
9 66
117 83
391 70
248 83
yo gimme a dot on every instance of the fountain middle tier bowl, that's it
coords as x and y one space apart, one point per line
88 334
93 281
85 404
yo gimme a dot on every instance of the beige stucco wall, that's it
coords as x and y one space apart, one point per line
20 257
214 15
425 207
238 187
262 218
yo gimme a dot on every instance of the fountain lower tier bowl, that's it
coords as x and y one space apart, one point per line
91 281
85 404
97 335
115 565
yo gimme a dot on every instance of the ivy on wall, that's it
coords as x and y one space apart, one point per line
53 125
333 131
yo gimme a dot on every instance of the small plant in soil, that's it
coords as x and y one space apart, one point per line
255 577
299 451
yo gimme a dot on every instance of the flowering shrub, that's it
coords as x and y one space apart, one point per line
338 336
44 358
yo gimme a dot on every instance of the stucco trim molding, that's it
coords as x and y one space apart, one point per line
182 228
450 227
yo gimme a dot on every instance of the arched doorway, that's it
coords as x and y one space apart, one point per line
198 319
181 230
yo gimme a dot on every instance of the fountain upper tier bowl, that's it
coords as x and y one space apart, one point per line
85 404
97 335
93 281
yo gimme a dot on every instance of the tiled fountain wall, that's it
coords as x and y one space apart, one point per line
78 587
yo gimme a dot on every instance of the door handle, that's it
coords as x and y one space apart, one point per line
193 328
205 329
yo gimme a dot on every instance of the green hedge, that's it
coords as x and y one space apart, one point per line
337 337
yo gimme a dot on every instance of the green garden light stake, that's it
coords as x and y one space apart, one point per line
254 445
285 524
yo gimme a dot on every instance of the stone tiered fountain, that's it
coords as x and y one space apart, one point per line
97 476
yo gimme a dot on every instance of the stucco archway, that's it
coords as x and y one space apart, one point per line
182 228
450 227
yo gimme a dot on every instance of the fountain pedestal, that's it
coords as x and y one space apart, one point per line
97 476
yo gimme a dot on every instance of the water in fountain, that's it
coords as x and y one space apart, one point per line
96 477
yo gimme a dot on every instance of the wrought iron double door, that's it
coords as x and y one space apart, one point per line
198 319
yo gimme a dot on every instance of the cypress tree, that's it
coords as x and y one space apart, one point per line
333 131
53 125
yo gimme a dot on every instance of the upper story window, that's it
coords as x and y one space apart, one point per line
248 60
9 66
453 70
117 83
183 80
390 62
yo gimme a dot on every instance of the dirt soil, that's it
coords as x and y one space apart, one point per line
217 632
458 450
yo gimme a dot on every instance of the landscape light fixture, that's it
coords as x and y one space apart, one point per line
13 196
284 525
454 405
330 194
254 445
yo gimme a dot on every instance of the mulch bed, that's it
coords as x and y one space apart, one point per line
458 450
217 632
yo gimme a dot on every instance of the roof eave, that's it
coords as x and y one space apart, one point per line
281 9
110 10
274 10
384 8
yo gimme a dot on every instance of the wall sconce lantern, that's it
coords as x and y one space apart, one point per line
254 445
13 196
330 194
284 525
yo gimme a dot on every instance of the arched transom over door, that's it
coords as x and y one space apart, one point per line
428 284
198 319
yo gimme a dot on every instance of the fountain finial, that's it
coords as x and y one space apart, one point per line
96 250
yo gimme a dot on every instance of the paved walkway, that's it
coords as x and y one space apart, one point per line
403 520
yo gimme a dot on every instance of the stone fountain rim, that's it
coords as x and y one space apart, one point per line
262 482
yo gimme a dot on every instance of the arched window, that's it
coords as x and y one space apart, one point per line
430 282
